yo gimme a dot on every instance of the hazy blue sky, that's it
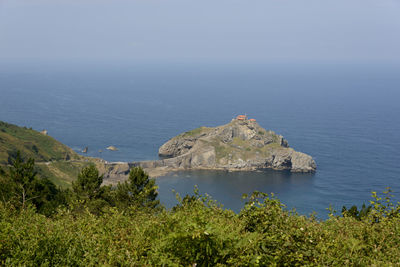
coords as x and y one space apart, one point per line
221 30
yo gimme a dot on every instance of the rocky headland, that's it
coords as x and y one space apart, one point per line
241 145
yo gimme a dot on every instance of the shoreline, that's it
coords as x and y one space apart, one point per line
115 172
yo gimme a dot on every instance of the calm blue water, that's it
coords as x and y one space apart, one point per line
346 116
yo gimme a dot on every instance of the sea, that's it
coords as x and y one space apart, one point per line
345 115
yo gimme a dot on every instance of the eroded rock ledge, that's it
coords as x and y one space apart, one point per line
239 145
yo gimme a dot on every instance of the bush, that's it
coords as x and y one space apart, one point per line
198 232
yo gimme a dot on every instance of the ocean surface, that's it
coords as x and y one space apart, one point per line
347 116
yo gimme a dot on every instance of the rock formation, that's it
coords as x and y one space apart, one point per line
238 145
112 148
241 145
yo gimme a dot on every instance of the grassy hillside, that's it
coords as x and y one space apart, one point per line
32 144
53 159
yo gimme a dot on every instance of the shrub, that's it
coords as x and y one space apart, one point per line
198 231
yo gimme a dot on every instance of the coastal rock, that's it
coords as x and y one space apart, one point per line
302 162
176 147
114 172
112 148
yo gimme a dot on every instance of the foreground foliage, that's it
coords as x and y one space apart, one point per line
199 231
125 225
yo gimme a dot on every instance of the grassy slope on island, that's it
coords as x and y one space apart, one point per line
238 148
55 160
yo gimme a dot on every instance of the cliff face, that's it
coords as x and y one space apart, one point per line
238 145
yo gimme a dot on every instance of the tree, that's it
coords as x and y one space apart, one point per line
48 196
5 187
20 186
88 184
22 178
139 191
88 189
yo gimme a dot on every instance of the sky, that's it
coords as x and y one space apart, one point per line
202 30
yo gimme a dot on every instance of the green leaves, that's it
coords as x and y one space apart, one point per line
355 213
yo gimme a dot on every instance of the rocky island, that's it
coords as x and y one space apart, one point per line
240 145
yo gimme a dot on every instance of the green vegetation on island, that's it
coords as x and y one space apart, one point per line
196 132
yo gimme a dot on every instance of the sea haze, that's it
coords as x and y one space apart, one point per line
346 116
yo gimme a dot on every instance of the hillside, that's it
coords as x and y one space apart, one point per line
32 144
53 159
